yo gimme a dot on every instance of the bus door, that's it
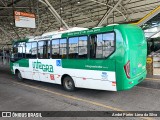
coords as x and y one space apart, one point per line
46 71
17 57
31 71
93 45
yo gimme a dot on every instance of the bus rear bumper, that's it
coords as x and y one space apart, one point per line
128 84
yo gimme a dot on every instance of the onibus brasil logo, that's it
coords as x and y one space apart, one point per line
44 67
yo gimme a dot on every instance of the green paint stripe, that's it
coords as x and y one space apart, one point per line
102 65
22 63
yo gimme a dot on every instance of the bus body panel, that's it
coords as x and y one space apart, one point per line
52 70
119 57
135 51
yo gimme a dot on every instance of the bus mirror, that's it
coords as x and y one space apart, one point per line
13 57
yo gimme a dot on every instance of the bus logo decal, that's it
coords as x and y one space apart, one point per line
104 76
58 62
44 67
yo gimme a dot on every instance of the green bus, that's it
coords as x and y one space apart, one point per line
109 58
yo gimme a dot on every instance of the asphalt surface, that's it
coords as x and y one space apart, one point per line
38 96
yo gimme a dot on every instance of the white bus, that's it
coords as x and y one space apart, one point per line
107 58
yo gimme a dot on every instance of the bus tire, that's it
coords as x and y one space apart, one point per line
68 84
19 75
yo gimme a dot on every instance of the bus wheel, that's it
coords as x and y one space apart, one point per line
19 75
68 84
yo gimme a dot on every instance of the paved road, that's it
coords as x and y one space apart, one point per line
38 96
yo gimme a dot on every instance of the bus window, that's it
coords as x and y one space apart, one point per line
43 49
34 50
63 48
99 51
19 50
73 47
93 46
15 51
49 49
28 50
101 45
46 49
55 49
78 47
82 47
108 44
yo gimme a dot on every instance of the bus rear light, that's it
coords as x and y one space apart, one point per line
113 83
58 76
52 77
127 69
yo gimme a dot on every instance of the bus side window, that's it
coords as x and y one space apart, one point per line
82 47
19 50
15 51
49 49
63 48
108 44
78 47
93 46
31 50
102 45
28 50
34 50
55 49
43 49
73 47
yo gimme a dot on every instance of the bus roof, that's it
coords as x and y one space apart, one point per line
75 31
65 31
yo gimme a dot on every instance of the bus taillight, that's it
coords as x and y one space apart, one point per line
127 69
